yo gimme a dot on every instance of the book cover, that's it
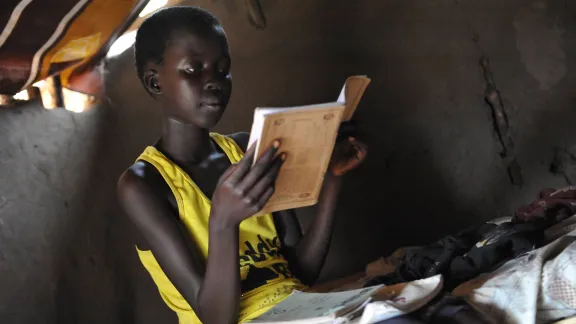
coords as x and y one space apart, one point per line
308 134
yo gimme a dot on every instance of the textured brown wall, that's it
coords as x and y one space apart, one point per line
434 165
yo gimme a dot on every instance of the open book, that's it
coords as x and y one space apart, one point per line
308 135
362 306
309 308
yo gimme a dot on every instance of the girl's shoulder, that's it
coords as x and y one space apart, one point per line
241 139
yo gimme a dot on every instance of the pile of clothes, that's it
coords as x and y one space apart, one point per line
519 269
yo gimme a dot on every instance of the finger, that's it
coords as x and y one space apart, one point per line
243 166
356 146
268 179
361 151
344 152
264 199
259 169
356 154
227 173
356 142
351 164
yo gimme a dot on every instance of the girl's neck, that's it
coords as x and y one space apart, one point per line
185 143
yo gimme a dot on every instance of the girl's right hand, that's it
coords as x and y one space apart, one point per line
243 190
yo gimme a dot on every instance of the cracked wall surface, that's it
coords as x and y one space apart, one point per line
66 252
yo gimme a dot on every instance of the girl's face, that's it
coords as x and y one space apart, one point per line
194 80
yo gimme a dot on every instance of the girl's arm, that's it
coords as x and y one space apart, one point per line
212 288
306 254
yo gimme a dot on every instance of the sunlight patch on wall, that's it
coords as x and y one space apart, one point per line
152 6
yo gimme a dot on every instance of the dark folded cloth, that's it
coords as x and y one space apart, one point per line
480 249
442 310
406 319
469 253
449 310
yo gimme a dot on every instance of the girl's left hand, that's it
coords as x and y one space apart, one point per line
347 155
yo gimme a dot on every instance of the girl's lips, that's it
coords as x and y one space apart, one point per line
212 105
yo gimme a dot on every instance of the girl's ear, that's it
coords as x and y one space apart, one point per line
151 82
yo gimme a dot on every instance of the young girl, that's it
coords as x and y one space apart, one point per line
192 195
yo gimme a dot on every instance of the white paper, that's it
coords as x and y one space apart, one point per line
301 306
411 296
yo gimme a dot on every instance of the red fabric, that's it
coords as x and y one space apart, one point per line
553 205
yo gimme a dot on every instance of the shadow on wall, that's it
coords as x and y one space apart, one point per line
400 196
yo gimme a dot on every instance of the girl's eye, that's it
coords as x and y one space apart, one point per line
224 70
224 67
196 69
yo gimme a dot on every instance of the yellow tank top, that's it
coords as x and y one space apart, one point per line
266 279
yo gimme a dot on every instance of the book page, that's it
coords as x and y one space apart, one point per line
256 130
352 93
308 137
300 306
